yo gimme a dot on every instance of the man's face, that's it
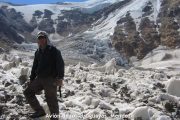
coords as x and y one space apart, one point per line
42 42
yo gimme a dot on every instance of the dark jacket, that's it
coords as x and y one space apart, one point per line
47 63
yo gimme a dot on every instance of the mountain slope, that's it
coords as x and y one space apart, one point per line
146 26
132 27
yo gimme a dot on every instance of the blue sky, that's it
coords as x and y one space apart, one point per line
39 1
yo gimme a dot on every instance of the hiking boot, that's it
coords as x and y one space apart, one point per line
37 114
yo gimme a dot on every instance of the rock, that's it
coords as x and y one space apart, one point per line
114 86
69 104
159 76
70 70
116 111
101 79
23 79
4 57
47 13
163 117
169 106
140 113
78 81
87 100
25 64
8 97
37 13
16 59
95 102
128 41
19 100
2 50
7 84
159 85
24 71
173 87
68 93
110 67
91 85
105 92
104 105
120 73
47 25
8 66
93 65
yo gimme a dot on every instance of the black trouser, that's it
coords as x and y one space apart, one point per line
50 88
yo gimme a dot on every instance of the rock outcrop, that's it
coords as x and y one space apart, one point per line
13 26
132 39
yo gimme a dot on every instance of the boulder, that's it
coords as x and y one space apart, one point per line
140 113
173 88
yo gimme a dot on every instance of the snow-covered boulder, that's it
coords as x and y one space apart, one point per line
173 88
168 97
87 100
69 104
155 57
25 63
23 75
110 67
95 102
8 65
16 59
104 105
24 71
163 117
160 76
141 113
69 70
105 92
120 72
4 57
93 65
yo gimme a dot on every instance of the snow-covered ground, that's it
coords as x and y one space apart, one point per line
97 92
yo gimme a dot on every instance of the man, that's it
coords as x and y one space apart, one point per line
47 73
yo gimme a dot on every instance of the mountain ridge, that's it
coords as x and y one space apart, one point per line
132 27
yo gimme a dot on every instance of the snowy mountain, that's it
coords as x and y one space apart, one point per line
94 28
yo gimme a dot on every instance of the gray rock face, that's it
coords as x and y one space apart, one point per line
47 13
111 8
132 41
73 21
47 25
12 25
33 22
148 9
170 20
38 13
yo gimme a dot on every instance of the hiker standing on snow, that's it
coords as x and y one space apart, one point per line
47 73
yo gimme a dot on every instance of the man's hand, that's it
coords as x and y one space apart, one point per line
59 82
